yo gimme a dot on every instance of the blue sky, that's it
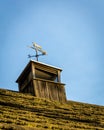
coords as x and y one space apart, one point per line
72 33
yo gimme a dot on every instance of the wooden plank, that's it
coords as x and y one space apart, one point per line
35 88
59 77
47 90
62 96
47 69
33 70
52 91
49 81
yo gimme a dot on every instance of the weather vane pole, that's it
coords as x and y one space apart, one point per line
37 49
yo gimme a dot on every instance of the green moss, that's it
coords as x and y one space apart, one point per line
23 111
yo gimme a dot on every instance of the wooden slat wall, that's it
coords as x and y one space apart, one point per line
50 90
25 81
28 88
48 69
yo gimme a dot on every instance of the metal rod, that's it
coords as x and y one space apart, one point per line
36 55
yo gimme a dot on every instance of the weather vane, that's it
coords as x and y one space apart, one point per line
37 49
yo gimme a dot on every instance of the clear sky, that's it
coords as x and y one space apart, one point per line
72 33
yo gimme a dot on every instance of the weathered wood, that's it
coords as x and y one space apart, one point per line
33 70
59 77
24 81
50 90
40 80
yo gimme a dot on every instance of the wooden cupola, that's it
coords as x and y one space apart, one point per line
42 80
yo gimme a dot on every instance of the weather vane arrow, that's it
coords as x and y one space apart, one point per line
37 49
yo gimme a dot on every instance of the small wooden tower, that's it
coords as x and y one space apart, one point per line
42 80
